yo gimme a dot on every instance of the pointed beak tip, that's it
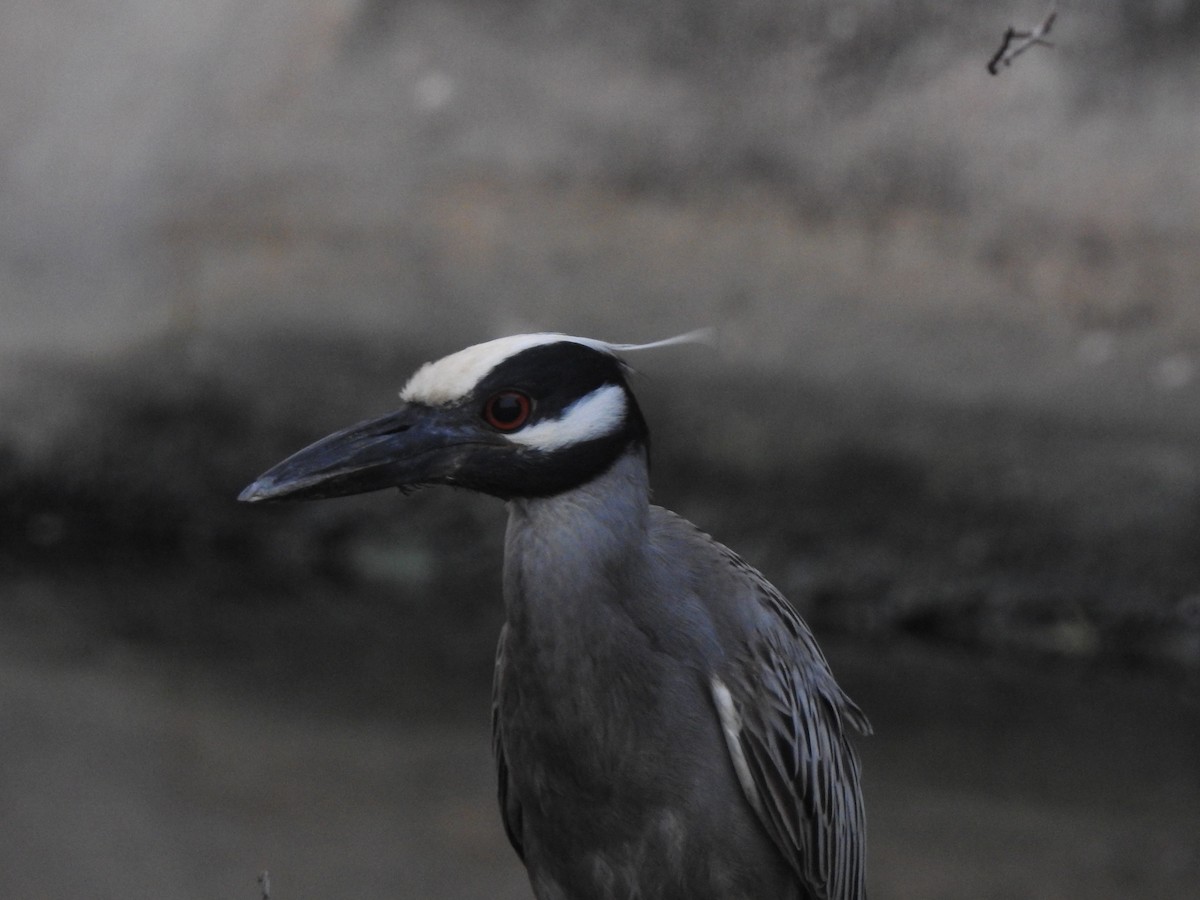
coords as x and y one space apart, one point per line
399 449
255 493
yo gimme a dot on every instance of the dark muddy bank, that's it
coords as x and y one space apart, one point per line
1002 530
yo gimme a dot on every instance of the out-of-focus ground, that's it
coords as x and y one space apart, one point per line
132 778
951 411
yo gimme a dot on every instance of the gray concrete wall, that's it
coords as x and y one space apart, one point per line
843 191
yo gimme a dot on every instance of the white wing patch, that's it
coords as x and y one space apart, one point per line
453 377
731 725
595 415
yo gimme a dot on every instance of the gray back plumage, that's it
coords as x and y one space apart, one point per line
631 632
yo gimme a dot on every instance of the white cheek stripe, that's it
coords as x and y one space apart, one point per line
599 413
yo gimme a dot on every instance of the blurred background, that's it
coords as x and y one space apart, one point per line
951 411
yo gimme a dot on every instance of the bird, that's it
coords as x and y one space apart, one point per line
664 724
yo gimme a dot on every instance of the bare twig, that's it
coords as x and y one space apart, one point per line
1017 42
264 879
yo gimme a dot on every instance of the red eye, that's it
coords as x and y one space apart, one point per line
507 410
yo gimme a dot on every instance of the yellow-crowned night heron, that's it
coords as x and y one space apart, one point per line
664 724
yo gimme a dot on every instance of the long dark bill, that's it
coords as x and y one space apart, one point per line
412 446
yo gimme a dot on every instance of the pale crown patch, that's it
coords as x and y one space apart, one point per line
453 377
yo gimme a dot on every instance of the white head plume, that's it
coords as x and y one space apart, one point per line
453 377
699 336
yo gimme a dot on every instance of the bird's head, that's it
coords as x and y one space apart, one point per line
530 415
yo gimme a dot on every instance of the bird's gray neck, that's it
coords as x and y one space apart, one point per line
585 542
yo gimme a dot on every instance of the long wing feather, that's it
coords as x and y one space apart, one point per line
785 721
510 810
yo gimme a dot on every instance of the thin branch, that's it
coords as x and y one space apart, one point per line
1017 42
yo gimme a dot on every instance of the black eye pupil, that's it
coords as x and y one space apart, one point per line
507 409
